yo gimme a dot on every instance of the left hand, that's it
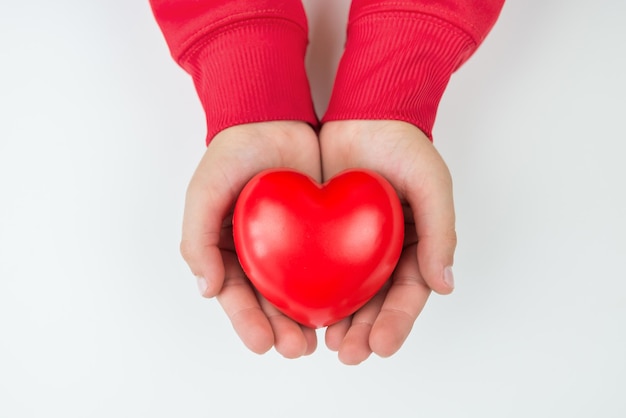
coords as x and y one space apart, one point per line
407 159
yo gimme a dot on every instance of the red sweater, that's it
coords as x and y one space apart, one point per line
246 57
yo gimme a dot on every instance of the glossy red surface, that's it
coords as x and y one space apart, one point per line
318 252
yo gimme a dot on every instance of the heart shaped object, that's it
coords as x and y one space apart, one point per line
318 252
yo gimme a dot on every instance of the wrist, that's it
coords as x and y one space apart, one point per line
367 130
373 144
271 144
277 130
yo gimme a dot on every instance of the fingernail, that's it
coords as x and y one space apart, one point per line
202 285
448 277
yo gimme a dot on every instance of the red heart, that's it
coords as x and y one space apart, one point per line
318 252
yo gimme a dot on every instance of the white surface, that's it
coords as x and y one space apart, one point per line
99 316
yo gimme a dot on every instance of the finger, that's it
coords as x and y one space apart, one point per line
355 347
404 302
240 303
227 241
336 332
289 338
311 340
431 201
410 234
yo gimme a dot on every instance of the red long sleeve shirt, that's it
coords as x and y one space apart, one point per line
246 57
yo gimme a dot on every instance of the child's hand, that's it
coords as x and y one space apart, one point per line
232 158
404 155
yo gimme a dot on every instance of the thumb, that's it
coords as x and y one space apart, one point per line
210 196
432 207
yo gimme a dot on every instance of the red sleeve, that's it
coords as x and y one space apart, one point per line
400 54
246 57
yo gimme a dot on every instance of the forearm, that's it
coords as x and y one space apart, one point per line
400 55
246 57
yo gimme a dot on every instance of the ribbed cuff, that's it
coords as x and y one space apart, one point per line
396 66
252 71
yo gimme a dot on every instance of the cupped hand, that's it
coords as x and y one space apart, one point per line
233 157
404 156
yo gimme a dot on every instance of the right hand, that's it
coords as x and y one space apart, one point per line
232 158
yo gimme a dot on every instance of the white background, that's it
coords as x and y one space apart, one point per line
99 316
